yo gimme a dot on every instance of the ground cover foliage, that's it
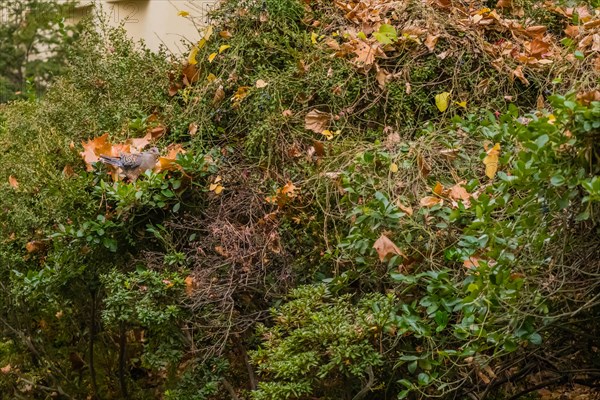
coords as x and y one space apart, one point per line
356 200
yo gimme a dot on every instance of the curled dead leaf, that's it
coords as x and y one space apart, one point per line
385 247
430 201
317 121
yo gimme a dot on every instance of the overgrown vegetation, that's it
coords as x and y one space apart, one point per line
356 200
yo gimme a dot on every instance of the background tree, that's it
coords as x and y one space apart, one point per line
33 42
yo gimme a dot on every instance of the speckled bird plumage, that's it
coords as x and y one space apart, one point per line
134 164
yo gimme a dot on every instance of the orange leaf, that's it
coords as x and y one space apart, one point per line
438 189
189 285
385 247
35 246
407 209
538 47
168 162
430 201
12 181
94 148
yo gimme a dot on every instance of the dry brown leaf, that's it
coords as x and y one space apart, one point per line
539 104
261 84
407 209
287 113
191 74
385 247
382 77
6 369
68 171
538 48
192 129
219 95
12 181
457 192
438 189
586 98
431 41
572 31
430 201
423 165
518 73
225 34
317 121
504 4
471 262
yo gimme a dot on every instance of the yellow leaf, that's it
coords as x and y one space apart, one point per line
208 32
211 77
189 285
328 134
313 38
201 43
441 101
183 13
491 161
223 48
212 57
462 104
393 168
192 56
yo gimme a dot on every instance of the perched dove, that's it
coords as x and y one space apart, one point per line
134 164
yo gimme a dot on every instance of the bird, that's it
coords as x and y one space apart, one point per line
134 164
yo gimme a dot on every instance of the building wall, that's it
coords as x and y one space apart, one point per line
155 21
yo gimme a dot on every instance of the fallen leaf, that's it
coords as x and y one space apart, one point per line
407 209
219 95
491 161
35 246
192 129
241 93
572 31
6 369
189 285
441 101
190 74
438 189
393 168
317 121
385 247
538 47
423 165
518 73
431 41
261 84
223 47
313 38
12 181
504 4
430 201
94 148
211 57
183 13
471 262
168 162
192 56
287 113
457 192
382 77
68 171
462 104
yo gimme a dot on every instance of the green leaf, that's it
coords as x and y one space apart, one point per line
386 35
412 367
535 338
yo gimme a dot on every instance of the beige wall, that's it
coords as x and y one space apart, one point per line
155 21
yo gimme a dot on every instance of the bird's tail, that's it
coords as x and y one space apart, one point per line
116 161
